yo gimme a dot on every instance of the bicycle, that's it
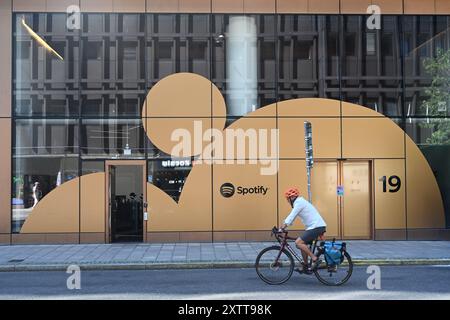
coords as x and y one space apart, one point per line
278 261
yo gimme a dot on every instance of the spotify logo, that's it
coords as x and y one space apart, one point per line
227 190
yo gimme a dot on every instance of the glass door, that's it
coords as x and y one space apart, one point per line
126 203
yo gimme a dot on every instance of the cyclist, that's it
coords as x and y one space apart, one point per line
310 217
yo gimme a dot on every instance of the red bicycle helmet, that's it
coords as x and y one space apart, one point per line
291 192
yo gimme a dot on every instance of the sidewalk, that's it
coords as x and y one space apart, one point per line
201 255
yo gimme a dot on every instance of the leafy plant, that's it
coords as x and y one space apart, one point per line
438 100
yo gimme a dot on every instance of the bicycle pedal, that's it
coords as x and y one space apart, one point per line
301 271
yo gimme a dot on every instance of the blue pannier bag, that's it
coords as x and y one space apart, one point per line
334 252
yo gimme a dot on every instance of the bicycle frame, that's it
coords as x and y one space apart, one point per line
283 241
326 273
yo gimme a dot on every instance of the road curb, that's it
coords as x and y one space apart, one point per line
198 265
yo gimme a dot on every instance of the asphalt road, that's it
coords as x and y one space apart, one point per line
397 282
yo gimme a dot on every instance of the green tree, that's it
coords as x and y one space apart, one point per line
438 97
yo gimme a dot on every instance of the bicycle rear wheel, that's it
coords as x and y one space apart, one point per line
272 270
335 275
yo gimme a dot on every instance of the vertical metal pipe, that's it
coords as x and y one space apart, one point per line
309 155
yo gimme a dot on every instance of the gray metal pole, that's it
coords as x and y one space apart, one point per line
309 155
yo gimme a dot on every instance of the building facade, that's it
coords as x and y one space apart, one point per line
91 98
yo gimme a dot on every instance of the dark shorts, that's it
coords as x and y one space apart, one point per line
310 235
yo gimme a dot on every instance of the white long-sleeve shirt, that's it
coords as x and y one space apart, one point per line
308 214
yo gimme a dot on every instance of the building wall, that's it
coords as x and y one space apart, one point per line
5 120
352 127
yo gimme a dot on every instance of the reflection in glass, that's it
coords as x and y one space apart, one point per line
43 84
113 65
242 64
126 203
371 65
45 155
177 43
169 175
92 166
308 58
427 76
112 139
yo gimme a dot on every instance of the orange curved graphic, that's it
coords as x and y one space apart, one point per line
179 100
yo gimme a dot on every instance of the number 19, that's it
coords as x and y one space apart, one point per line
393 181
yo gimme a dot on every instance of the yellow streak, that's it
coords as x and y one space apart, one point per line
41 41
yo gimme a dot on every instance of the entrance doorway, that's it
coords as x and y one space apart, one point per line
341 191
126 201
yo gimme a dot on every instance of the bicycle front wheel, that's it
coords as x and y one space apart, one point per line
274 266
335 275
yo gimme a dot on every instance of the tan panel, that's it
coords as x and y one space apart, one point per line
196 236
56 212
103 6
324 197
196 6
193 211
292 174
426 234
309 107
27 5
424 206
258 236
5 176
129 6
323 6
228 6
419 6
5 239
60 5
257 131
92 238
442 7
259 6
190 130
390 234
228 236
354 6
251 211
292 6
356 201
326 137
163 237
371 138
92 210
181 95
5 59
355 110
390 6
390 207
27 238
62 238
195 204
162 6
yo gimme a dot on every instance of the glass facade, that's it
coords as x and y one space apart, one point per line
70 115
